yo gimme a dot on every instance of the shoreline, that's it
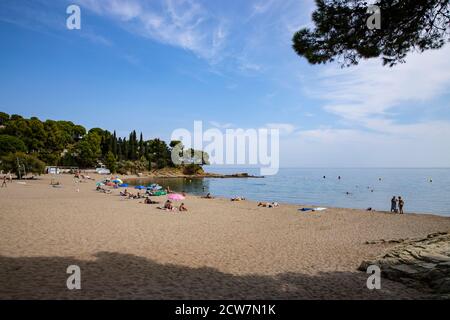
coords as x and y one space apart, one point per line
219 249
127 178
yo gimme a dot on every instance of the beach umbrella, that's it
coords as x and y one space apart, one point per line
118 181
123 185
99 184
175 197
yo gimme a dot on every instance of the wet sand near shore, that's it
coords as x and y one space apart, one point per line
217 250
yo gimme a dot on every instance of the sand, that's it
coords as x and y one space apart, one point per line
218 250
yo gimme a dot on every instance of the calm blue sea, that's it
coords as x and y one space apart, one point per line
308 187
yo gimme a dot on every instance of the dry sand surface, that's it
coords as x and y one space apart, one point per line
218 250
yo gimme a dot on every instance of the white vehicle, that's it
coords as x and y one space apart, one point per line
102 170
53 170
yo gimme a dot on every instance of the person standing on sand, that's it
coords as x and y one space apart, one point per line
4 182
401 203
394 204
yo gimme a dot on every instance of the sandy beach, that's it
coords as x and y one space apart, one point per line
218 250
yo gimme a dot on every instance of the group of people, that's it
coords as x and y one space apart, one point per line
80 176
168 206
130 195
103 190
397 204
268 204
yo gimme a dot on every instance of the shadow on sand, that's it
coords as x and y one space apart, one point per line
124 276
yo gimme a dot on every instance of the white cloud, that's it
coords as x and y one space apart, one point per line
365 99
262 6
284 128
181 23
370 91
418 145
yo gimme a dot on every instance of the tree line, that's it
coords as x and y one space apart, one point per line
37 143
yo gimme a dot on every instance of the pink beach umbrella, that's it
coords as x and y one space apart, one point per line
175 197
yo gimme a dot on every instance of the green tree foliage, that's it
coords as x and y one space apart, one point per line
159 153
10 144
65 143
20 162
192 168
4 118
341 31
111 162
87 152
141 146
198 157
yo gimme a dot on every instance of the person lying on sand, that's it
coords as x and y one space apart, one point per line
150 201
208 196
268 204
182 207
103 190
135 196
238 199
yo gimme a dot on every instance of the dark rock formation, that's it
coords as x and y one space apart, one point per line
420 263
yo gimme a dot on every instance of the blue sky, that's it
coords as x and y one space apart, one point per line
158 65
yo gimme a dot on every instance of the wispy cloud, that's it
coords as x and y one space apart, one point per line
96 38
262 6
181 23
284 128
370 127
368 94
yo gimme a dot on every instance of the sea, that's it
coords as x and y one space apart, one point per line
423 190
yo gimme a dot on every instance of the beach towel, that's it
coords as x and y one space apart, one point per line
312 209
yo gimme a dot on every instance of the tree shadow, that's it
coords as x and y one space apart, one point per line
125 276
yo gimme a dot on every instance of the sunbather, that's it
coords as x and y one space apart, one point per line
268 204
167 206
149 201
124 193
